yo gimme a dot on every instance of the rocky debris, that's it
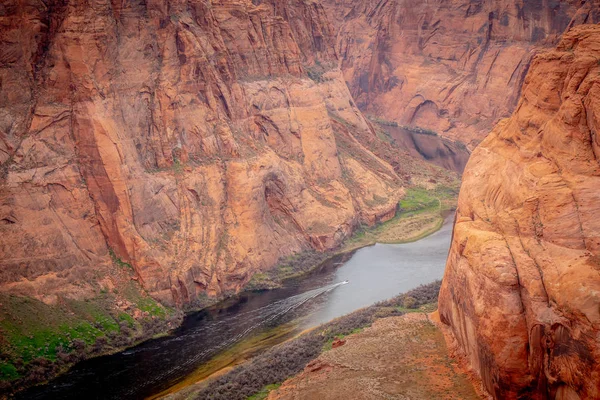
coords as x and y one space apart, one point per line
454 67
187 142
318 365
397 357
521 292
338 343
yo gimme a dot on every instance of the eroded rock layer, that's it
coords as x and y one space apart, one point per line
521 291
196 140
454 67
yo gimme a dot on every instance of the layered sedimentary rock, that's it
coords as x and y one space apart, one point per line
454 67
198 141
521 291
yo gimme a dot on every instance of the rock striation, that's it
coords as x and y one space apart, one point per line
454 67
521 291
198 141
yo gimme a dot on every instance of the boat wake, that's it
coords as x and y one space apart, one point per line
231 329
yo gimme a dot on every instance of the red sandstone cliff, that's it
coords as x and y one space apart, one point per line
184 136
455 67
521 291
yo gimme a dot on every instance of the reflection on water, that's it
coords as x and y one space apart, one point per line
382 271
374 273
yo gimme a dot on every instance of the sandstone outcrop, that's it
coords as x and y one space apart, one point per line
455 67
198 141
521 291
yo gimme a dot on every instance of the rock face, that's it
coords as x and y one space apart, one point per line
435 149
521 291
455 67
199 141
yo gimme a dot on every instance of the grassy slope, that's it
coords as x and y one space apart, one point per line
37 340
420 214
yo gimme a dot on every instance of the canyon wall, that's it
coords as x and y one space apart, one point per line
454 67
521 291
435 149
197 141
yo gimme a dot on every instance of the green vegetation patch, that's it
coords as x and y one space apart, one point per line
418 199
32 329
414 129
118 262
419 130
264 392
123 316
8 371
146 303
152 307
95 313
316 71
37 340
382 121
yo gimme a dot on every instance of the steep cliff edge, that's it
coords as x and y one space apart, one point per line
521 291
454 67
185 138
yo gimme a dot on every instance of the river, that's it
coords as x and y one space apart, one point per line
373 273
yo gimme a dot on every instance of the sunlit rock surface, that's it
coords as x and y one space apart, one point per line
194 140
521 291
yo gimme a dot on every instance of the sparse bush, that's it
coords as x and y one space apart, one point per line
382 121
424 294
316 71
100 345
78 345
117 261
419 130
287 268
409 302
315 75
283 361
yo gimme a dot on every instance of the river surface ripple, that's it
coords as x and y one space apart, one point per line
373 273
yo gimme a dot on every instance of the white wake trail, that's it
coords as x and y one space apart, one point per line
264 315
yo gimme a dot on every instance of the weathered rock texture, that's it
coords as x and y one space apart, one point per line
184 136
522 285
455 67
437 150
395 358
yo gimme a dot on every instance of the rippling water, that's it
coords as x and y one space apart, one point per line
383 271
374 273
